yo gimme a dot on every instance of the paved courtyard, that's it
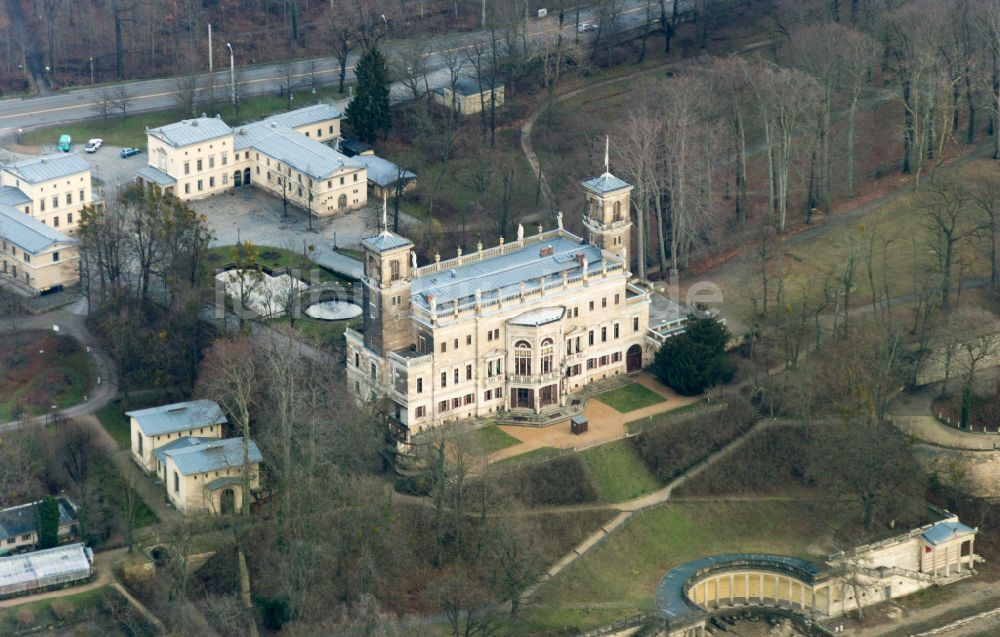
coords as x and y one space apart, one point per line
605 422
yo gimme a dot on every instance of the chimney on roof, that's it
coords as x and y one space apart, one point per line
579 258
547 251
194 122
203 115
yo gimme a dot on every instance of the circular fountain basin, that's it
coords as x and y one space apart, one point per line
333 311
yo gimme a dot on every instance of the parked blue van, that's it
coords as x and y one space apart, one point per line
64 142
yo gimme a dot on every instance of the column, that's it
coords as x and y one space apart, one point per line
746 591
732 578
761 588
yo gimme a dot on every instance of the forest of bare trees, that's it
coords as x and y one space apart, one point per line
770 138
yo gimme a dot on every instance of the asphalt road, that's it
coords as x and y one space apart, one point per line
151 95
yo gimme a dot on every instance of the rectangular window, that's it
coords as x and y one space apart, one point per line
489 335
341 181
590 337
489 369
443 406
604 335
355 176
69 198
42 205
591 363
55 257
591 306
604 302
469 398
55 202
211 162
616 330
373 371
198 165
187 189
225 159
468 339
27 258
225 178
201 185
55 221
489 395
456 375
82 198
420 385
635 324
421 411
616 357
499 392
456 403
496 334
604 361
617 298
211 182
187 168
456 343
319 132
468 372
444 347
444 379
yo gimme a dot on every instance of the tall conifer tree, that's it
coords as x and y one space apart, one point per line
368 112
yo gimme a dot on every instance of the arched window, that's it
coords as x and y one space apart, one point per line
394 270
522 358
547 355
342 202
618 211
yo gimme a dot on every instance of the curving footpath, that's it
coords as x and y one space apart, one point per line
912 413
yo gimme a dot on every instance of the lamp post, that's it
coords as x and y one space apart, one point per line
19 131
91 71
232 72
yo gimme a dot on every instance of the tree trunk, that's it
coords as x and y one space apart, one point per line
851 118
907 126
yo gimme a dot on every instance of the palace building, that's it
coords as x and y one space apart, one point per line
516 328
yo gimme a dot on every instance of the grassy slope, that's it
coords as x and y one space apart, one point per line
629 398
619 577
112 416
617 471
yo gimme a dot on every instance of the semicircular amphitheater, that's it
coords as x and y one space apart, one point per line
691 597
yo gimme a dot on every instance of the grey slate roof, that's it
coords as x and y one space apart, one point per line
541 316
466 86
504 274
382 172
944 531
176 417
191 131
156 176
13 196
179 443
306 115
36 171
294 149
384 241
673 603
23 519
605 183
213 456
28 233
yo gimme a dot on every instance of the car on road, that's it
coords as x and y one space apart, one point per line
129 151
93 145
583 27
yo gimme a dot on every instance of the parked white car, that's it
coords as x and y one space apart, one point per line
583 27
93 145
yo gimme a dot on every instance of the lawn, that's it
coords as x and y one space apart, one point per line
274 258
131 130
70 610
619 577
617 471
41 369
112 416
489 440
629 398
319 333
